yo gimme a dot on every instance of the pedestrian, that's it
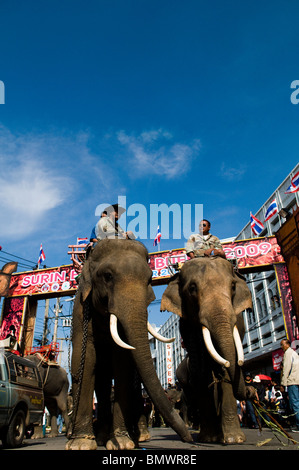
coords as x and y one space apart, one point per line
290 378
251 418
204 243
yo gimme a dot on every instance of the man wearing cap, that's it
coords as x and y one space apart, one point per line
107 227
204 243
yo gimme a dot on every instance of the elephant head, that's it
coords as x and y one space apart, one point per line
116 281
5 276
210 296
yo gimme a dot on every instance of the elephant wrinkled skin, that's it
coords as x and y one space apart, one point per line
115 282
210 296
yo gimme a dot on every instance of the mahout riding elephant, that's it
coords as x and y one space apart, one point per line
110 320
5 276
55 387
210 297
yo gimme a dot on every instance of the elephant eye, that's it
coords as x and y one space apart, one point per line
108 277
192 288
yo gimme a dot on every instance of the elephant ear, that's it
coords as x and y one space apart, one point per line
242 296
150 295
171 299
85 281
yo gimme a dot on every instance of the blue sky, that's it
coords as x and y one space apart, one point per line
159 101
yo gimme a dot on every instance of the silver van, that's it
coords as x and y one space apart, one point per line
21 398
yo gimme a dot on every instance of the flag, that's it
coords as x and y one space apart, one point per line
256 225
82 241
157 237
272 209
294 186
42 255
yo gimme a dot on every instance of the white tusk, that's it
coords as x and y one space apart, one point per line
211 349
115 335
239 347
156 335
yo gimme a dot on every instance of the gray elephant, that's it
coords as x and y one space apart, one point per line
110 319
210 297
55 388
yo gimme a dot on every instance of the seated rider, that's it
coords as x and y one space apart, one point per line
204 243
107 227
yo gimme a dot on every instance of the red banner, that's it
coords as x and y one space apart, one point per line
249 254
12 316
286 299
61 280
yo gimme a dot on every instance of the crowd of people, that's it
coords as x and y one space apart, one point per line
277 398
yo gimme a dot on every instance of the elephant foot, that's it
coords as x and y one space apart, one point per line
81 444
120 441
209 438
234 437
144 436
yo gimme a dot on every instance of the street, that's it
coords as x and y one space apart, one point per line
165 439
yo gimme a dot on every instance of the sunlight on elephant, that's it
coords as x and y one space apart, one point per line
110 318
210 297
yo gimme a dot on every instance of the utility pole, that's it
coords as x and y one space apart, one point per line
57 310
44 340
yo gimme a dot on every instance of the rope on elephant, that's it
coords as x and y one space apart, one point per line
79 375
271 422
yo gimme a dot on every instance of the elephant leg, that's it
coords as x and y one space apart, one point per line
140 429
103 389
232 433
54 428
51 405
123 407
82 437
62 406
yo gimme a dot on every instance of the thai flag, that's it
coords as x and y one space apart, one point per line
42 255
82 241
294 186
157 237
272 209
256 225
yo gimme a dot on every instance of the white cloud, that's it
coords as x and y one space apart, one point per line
156 152
33 181
232 173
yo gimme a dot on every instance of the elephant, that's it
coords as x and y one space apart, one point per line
5 276
110 319
210 296
55 387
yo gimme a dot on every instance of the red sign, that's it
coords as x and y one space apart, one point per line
59 280
251 253
277 357
254 252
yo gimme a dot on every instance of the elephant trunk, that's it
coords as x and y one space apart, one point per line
225 346
135 328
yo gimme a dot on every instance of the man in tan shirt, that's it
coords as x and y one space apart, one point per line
204 243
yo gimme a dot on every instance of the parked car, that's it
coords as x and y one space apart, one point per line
21 398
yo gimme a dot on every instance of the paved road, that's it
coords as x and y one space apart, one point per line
167 439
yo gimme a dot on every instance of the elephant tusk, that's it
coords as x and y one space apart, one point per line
115 335
157 335
210 347
239 347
